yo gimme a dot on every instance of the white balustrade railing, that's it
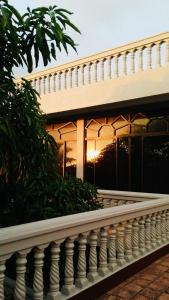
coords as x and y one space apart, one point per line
110 198
84 248
132 58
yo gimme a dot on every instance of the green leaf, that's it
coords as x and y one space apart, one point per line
16 13
72 25
53 51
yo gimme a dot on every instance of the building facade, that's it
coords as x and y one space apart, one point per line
109 113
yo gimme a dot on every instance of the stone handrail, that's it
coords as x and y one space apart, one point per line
110 198
128 59
115 238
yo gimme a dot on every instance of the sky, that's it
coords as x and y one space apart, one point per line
105 24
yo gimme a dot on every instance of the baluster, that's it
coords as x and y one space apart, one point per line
34 83
163 227
158 228
81 280
89 73
158 55
31 82
39 85
54 271
167 224
59 80
44 84
135 238
167 51
109 67
65 79
148 233
20 286
124 72
93 274
70 79
82 75
49 88
140 59
103 266
95 71
115 202
142 235
2 277
68 286
111 203
76 76
112 248
153 231
116 70
149 58
132 62
54 82
120 244
102 69
128 241
38 274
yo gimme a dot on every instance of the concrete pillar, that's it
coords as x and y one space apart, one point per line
80 149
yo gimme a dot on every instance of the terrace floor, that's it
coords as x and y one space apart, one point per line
150 283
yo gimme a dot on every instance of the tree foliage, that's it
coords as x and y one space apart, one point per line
30 185
40 31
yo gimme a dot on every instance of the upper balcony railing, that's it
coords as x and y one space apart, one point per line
110 198
145 54
73 253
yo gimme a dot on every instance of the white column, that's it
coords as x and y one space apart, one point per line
49 79
149 57
81 280
93 274
65 79
54 271
153 230
116 67
82 74
158 55
103 269
89 73
76 76
95 71
132 68
39 85
59 80
140 59
102 69
54 82
148 233
20 286
142 235
109 68
158 228
112 248
38 274
128 241
80 149
135 238
68 286
2 277
70 77
44 84
167 51
163 226
124 63
120 244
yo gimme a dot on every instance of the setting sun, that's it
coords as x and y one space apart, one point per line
92 154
